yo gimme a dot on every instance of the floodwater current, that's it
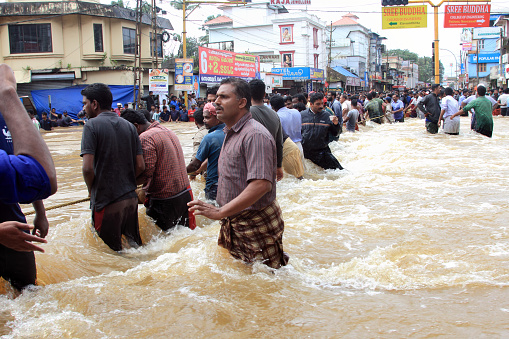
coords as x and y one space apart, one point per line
411 240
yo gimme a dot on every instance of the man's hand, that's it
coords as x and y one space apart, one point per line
279 173
198 207
41 225
12 236
335 120
7 80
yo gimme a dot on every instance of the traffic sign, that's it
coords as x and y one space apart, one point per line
404 17
458 16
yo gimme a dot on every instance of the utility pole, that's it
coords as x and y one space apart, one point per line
153 38
137 54
330 54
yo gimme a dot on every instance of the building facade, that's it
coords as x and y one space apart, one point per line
60 44
282 39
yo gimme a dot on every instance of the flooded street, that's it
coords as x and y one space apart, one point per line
411 240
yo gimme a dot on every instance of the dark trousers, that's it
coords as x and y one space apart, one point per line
211 193
18 268
432 127
323 158
171 212
118 218
503 111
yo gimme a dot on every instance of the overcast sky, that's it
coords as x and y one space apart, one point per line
417 40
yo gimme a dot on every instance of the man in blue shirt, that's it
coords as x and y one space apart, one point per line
175 102
397 108
27 174
210 148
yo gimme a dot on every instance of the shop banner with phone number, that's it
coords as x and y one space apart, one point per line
216 65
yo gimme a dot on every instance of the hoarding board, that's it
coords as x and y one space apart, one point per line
184 74
404 17
458 16
158 80
216 65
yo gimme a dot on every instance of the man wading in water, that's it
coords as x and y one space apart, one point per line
112 159
251 221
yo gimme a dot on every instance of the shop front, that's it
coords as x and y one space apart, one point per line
301 79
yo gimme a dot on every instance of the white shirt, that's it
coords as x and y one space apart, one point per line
503 100
450 105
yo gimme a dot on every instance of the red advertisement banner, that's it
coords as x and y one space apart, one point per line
458 16
216 65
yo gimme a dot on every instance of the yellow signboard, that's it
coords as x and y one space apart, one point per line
394 17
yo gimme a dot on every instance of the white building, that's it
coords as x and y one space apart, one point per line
350 45
282 39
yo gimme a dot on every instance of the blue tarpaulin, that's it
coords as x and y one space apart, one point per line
70 99
343 71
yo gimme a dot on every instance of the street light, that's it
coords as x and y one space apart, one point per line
455 59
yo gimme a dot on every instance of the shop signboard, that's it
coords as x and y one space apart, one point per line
158 80
184 74
394 17
216 65
485 58
458 16
487 33
300 73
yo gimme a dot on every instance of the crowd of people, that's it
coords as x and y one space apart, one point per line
245 141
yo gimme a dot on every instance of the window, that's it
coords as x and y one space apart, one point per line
33 38
316 61
98 37
159 45
287 59
482 67
315 37
286 34
480 44
129 37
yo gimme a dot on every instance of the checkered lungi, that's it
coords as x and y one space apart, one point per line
255 235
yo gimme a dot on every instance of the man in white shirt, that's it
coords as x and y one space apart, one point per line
502 100
449 107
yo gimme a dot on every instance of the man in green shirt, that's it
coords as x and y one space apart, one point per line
483 112
372 109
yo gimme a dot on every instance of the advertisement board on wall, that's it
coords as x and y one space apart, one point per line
158 81
184 74
300 73
485 58
216 65
487 32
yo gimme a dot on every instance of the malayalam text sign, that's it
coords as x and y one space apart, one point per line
158 80
216 65
458 16
404 17
487 33
184 74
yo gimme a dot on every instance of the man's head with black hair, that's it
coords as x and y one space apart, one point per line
257 88
277 102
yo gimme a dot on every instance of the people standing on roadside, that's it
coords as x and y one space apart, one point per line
112 160
251 221
209 150
316 126
483 112
430 105
28 176
449 107
268 118
164 180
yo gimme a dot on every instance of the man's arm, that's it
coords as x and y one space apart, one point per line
193 166
251 194
421 105
140 165
41 224
88 170
334 126
12 235
26 139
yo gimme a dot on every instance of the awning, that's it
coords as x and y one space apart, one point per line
343 71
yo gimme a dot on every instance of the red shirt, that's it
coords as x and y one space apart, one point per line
165 170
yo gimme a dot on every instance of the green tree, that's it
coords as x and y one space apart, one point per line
179 4
426 72
119 3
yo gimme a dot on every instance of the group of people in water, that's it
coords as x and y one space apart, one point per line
244 143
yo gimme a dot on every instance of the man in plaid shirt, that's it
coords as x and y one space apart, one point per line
165 177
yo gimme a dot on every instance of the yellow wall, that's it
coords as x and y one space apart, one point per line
74 49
